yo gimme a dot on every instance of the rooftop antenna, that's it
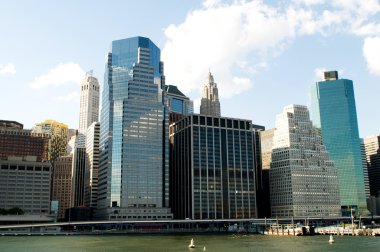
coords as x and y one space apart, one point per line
89 73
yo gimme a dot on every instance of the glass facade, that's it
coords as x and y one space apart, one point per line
177 106
333 110
213 168
133 150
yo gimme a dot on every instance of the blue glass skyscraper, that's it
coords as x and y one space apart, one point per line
333 110
133 172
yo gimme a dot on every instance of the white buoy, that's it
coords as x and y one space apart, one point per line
204 248
331 239
191 245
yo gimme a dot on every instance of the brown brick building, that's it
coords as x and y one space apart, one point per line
15 141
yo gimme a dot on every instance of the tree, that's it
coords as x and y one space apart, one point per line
15 211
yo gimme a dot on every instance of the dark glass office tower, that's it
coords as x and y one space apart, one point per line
213 168
372 152
133 172
179 104
333 110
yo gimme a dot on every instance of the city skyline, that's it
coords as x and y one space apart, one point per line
263 54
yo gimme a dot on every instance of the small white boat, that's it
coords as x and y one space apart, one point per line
191 245
331 239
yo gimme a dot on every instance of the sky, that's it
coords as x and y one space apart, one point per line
263 54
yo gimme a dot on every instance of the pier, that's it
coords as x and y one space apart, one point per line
348 231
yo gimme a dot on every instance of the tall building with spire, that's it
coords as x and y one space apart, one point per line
210 99
83 167
89 106
134 128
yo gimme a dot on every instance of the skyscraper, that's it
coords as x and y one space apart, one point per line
266 138
134 152
82 168
365 169
303 180
62 184
372 151
78 177
210 99
263 194
58 137
333 110
89 106
92 165
179 104
213 168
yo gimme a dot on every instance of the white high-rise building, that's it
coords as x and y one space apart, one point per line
210 99
89 106
92 165
82 169
303 180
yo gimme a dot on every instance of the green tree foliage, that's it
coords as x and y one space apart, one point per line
11 211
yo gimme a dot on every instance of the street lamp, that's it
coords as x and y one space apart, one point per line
352 222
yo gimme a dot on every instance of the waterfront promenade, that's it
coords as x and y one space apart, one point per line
180 226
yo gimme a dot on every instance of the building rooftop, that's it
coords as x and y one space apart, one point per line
11 124
173 90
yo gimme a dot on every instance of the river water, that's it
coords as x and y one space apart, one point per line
169 243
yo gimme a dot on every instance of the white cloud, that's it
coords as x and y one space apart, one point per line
227 37
73 96
318 72
210 3
196 105
236 38
241 84
62 74
7 69
371 52
309 2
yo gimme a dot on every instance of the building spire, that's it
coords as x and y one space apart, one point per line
210 98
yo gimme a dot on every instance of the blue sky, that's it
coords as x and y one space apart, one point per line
263 54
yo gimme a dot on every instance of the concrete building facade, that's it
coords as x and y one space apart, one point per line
303 180
62 186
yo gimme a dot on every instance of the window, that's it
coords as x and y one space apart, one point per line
216 122
195 119
202 119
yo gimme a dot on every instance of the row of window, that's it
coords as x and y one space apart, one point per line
23 168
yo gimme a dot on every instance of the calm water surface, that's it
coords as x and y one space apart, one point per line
218 243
